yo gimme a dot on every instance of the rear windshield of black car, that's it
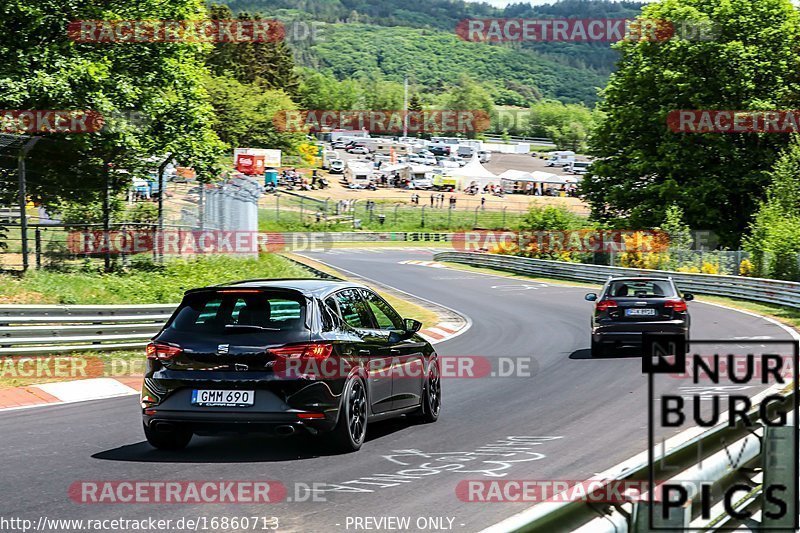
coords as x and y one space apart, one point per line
240 312
640 289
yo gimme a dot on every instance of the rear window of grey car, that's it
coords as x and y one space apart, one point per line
640 289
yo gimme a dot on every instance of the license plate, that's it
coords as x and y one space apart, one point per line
640 312
223 398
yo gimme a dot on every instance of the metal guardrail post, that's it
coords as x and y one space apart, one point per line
780 470
38 247
677 519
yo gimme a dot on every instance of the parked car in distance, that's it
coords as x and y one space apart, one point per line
560 158
284 356
630 306
358 150
421 182
578 167
484 156
337 166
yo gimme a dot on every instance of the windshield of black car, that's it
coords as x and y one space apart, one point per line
231 312
640 289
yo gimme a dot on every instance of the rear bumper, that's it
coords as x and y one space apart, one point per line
631 332
277 405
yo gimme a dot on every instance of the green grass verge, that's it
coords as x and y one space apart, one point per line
406 308
143 283
404 219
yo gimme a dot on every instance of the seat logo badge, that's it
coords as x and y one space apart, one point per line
223 348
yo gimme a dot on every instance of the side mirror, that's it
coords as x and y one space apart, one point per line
591 297
688 296
412 325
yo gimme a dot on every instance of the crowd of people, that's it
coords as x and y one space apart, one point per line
292 179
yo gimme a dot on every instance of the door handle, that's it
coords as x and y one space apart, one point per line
394 351
363 352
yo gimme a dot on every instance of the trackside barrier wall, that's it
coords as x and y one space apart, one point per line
44 329
784 293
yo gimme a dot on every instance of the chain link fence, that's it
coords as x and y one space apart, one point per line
287 211
192 212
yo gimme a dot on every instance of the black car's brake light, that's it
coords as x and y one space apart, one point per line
313 350
678 306
161 351
605 305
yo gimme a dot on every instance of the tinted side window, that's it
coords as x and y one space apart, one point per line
385 316
330 314
353 309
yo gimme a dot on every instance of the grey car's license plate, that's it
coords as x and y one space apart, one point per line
640 312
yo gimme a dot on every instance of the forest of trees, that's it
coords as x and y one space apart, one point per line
418 39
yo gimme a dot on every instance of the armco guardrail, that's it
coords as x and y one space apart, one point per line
785 293
37 329
366 236
711 449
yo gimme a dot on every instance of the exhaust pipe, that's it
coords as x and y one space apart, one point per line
164 426
284 431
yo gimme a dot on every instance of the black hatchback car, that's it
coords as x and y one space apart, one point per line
282 356
628 307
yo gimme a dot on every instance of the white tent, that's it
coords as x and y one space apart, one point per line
536 176
520 181
473 173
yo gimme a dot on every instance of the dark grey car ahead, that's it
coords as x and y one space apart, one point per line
282 356
628 307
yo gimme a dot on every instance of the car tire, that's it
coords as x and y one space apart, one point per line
598 349
177 439
431 397
351 428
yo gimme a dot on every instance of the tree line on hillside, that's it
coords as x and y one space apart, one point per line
392 39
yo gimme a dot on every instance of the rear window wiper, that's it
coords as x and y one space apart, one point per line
250 326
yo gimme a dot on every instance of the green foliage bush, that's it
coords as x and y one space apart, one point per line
143 281
774 237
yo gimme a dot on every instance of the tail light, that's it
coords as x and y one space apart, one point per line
679 306
315 350
605 305
161 352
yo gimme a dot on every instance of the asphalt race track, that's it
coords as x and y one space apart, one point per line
572 417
